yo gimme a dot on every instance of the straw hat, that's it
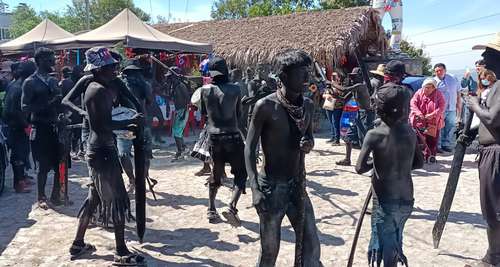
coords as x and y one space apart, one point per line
493 44
380 70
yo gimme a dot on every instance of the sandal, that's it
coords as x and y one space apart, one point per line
76 251
129 260
344 162
231 215
213 216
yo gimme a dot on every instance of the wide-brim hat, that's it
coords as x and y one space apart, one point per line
98 57
380 70
493 44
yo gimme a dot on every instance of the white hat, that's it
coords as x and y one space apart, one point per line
429 81
493 44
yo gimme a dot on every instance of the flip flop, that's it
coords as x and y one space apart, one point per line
77 251
129 260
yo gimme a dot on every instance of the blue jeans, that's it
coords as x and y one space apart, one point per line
334 120
447 139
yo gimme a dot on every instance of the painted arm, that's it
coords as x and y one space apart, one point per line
253 136
363 164
307 142
77 91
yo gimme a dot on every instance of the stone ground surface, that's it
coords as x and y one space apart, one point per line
179 235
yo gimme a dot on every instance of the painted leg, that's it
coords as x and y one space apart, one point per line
270 236
311 252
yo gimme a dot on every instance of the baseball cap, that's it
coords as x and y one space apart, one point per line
395 67
217 66
132 65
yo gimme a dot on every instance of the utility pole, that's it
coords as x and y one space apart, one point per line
87 9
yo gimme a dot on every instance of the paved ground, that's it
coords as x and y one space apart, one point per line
179 235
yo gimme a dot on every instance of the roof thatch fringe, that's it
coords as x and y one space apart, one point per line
326 35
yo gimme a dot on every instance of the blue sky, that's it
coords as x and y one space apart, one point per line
419 16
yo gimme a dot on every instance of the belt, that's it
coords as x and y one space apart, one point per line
232 136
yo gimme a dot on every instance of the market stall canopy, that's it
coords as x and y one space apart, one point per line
39 36
128 29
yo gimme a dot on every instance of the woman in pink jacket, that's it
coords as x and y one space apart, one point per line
427 117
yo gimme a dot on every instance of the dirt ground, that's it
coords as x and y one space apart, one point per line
178 233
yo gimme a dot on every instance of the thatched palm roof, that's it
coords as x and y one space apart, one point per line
326 35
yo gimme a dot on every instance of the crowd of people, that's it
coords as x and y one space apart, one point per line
245 117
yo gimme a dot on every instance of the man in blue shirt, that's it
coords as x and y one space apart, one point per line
449 86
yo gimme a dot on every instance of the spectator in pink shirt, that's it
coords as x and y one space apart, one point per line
427 117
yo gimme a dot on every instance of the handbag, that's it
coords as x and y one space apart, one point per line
329 104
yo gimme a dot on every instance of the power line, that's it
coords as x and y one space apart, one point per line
457 24
455 53
461 39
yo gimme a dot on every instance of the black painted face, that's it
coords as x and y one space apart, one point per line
108 72
263 72
48 62
296 80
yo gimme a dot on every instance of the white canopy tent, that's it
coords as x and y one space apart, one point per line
128 29
39 36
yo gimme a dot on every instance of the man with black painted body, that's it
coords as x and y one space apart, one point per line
133 77
260 86
488 112
221 103
282 121
18 127
107 188
41 98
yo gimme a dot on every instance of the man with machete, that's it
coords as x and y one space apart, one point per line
393 140
282 121
488 113
108 187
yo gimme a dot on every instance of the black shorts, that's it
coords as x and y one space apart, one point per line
228 148
45 145
19 146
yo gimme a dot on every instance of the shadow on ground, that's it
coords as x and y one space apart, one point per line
458 217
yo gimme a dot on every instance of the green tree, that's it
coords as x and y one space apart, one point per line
230 9
417 53
336 4
236 9
73 19
24 18
100 12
